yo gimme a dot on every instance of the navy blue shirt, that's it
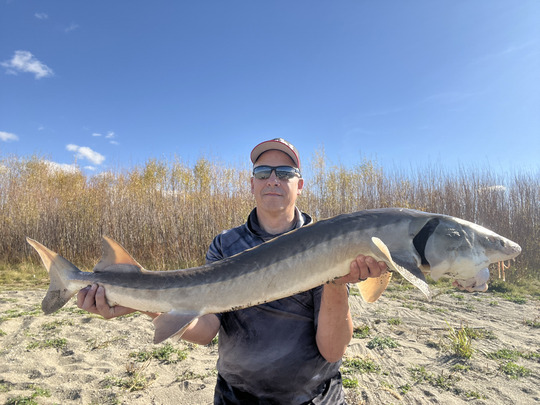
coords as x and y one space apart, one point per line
269 351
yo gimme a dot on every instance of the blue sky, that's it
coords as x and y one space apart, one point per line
111 84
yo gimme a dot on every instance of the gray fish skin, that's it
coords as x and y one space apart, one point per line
294 262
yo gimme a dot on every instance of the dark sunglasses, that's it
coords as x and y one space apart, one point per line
282 172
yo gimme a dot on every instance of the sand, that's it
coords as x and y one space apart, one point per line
74 357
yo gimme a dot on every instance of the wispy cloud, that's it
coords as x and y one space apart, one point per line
110 135
96 134
71 27
510 50
84 152
24 61
41 16
7 136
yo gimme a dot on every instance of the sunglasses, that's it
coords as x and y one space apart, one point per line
282 172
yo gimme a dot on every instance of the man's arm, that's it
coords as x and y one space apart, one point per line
335 327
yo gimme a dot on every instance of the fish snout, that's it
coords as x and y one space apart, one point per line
503 249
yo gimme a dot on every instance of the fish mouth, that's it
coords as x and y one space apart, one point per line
477 283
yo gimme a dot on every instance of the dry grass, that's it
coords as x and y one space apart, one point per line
167 212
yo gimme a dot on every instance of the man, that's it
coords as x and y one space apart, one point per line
283 352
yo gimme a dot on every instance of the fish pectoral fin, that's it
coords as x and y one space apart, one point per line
116 258
381 249
404 259
172 323
372 288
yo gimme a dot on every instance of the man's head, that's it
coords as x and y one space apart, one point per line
276 182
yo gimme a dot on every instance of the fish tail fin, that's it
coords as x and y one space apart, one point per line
61 271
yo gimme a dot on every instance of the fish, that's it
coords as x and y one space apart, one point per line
412 243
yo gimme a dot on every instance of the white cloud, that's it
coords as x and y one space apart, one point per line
24 61
84 152
61 167
114 143
6 136
96 134
41 16
91 168
110 134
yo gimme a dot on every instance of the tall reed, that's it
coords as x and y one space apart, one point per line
166 212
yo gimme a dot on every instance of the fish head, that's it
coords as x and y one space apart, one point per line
463 250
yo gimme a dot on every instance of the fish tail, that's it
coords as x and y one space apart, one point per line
61 271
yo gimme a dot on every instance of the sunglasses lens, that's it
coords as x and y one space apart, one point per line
285 172
262 172
282 172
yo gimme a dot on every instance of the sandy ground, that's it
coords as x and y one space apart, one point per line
73 357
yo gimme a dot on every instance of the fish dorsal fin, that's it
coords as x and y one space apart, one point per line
116 258
379 246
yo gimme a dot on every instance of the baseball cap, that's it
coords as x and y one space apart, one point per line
276 144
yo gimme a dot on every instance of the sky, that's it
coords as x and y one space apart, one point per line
109 84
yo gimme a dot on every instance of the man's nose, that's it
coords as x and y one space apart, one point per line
273 179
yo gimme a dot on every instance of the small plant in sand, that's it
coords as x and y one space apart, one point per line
403 389
474 395
460 342
394 321
361 332
514 370
49 326
359 365
96 344
166 354
350 383
136 380
507 354
420 375
533 323
59 343
31 399
382 343
190 375
16 313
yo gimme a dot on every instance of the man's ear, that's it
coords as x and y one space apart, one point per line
300 186
252 187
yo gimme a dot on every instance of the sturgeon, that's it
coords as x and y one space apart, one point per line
410 242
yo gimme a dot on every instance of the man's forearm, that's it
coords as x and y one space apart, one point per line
335 327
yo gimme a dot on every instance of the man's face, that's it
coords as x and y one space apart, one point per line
273 194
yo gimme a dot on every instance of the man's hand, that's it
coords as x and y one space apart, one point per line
362 268
92 299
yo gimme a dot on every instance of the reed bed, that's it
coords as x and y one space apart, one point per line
166 212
